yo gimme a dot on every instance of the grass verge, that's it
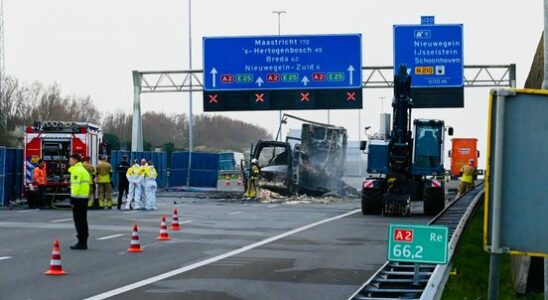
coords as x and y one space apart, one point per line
472 268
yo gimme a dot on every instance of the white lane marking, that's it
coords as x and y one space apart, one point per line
235 213
211 260
61 220
273 205
5 257
130 212
110 236
27 211
186 222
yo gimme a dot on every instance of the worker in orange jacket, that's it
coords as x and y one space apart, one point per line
41 180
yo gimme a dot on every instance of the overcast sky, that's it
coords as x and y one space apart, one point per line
90 47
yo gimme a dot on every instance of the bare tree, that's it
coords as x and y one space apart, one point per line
119 124
22 104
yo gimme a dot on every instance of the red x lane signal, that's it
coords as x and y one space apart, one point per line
213 99
259 97
350 96
305 96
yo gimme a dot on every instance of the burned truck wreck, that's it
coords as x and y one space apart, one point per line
312 164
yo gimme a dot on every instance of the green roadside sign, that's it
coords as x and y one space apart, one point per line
418 243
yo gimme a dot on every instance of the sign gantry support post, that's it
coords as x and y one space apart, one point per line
137 128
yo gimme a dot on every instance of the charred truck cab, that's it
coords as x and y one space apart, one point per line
408 165
312 164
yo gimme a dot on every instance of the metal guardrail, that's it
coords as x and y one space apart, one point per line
394 280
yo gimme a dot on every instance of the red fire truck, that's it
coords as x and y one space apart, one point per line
55 142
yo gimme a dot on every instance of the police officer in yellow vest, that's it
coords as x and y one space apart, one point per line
79 192
150 186
104 175
91 170
251 191
467 179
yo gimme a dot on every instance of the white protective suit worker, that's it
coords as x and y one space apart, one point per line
143 168
150 186
134 178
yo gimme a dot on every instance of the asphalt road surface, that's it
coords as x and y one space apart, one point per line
226 250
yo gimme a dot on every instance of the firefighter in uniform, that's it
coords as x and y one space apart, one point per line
251 191
134 177
467 179
150 186
79 193
104 174
91 170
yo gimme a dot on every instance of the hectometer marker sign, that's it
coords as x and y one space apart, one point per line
417 243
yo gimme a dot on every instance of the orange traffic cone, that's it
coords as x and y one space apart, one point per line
163 231
175 223
239 180
227 180
135 245
55 267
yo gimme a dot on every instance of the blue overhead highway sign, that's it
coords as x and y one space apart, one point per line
282 62
432 53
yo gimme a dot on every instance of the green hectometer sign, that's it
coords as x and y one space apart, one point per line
417 243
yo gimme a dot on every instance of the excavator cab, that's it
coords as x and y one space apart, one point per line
428 148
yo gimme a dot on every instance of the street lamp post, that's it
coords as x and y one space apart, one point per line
190 117
279 13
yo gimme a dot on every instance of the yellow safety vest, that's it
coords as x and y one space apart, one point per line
103 170
150 172
143 170
254 172
468 174
133 170
79 181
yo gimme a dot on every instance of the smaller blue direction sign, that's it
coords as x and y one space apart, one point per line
282 62
432 53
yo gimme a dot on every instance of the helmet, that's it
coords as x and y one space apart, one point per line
254 161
